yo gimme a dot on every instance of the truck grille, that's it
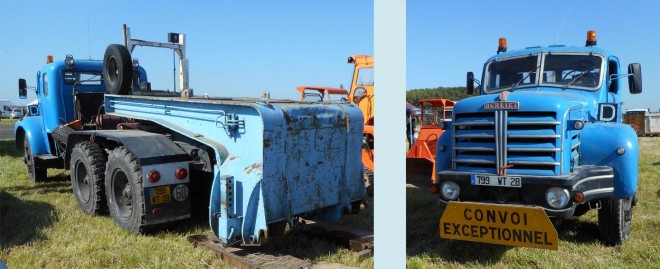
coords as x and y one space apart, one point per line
522 142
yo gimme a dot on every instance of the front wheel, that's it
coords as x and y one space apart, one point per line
123 190
36 174
615 220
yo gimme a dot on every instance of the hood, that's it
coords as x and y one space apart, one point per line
537 99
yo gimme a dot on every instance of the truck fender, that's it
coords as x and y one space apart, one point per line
32 128
149 148
599 147
443 157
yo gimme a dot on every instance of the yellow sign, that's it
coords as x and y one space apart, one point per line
512 225
159 195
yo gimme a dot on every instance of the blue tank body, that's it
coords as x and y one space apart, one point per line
276 159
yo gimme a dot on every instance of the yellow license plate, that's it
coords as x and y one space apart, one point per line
511 225
159 195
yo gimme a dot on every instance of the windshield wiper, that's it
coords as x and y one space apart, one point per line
533 71
588 71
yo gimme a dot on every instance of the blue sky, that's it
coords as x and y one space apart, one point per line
235 48
445 39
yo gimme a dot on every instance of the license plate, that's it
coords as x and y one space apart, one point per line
498 181
159 195
512 225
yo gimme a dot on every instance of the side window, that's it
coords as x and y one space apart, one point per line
612 69
45 88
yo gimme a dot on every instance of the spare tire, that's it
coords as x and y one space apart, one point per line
117 69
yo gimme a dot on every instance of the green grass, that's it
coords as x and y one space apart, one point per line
5 121
578 237
41 227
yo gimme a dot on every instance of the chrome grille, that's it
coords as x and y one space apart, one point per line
487 141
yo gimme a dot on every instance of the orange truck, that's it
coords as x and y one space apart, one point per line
433 113
362 94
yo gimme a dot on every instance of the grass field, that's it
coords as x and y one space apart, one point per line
578 237
41 227
5 121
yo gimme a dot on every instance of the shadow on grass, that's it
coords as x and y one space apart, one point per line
8 148
658 194
55 184
21 222
578 231
423 239
656 163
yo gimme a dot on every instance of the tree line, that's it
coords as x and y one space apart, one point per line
453 93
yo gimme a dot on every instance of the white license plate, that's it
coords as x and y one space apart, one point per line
498 181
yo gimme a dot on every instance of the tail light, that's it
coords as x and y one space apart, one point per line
154 176
181 173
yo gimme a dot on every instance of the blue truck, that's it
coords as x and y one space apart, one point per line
546 135
148 157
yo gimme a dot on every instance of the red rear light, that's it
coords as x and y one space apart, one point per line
154 176
181 173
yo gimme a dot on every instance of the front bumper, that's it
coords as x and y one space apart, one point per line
594 182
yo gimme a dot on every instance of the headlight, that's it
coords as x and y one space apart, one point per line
450 190
69 60
136 63
557 197
578 125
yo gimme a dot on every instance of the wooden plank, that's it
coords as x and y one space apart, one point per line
256 257
251 257
360 241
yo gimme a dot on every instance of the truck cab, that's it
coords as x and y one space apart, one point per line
546 132
67 91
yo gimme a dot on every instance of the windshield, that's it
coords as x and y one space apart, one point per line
564 70
572 70
505 74
365 76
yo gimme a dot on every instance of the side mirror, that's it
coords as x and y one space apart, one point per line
22 88
470 83
33 110
635 78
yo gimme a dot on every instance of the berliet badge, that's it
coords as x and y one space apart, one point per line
502 104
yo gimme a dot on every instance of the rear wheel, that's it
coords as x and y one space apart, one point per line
369 181
88 177
615 220
36 174
123 189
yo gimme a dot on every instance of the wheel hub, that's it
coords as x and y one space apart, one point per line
127 194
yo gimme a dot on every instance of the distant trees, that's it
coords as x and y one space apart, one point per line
452 93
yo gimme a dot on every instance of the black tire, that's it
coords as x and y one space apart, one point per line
369 181
117 69
61 133
123 189
36 174
88 177
615 220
